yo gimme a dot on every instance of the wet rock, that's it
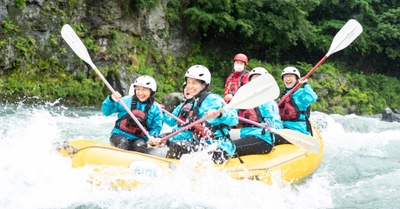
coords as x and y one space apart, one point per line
389 116
172 100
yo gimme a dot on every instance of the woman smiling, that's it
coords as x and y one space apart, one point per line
214 130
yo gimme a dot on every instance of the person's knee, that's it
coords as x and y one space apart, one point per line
280 140
119 141
219 156
139 145
174 150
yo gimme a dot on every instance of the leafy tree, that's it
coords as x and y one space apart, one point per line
377 48
265 28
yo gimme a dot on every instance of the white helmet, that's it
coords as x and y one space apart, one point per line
132 90
257 71
290 70
183 87
144 81
199 72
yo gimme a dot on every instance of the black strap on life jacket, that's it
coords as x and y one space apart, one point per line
237 85
194 115
195 107
260 118
184 112
241 77
134 105
306 112
130 120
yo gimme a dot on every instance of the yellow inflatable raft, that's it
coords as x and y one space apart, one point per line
294 163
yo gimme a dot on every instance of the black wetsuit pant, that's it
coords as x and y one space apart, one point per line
137 145
251 145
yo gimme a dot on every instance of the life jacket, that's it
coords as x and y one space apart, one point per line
251 114
289 110
184 112
204 130
235 82
126 122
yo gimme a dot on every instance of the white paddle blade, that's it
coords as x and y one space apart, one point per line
349 32
299 139
259 91
76 44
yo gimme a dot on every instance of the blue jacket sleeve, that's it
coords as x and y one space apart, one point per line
304 97
270 110
215 102
170 120
109 107
155 120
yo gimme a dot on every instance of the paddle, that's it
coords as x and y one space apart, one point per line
173 116
301 140
79 48
349 32
259 91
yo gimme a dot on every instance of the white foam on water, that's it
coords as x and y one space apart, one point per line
360 154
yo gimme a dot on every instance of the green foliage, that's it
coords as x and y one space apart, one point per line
274 35
73 3
354 92
135 5
20 3
81 30
173 13
272 25
25 45
36 82
377 46
9 27
53 40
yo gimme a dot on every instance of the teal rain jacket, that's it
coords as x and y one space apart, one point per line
170 121
229 117
270 112
303 97
154 118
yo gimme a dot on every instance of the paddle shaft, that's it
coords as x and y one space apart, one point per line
346 35
291 136
240 118
186 127
296 138
121 102
259 91
80 50
254 123
173 116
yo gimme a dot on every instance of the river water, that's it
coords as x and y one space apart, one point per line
361 168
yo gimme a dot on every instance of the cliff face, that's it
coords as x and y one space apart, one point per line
118 37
